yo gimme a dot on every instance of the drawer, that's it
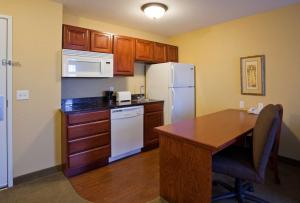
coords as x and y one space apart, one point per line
87 143
87 129
88 157
88 117
154 107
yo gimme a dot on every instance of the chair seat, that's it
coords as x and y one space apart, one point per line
236 162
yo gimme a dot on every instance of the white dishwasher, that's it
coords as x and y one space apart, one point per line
126 131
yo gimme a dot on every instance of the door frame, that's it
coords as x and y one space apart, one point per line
9 81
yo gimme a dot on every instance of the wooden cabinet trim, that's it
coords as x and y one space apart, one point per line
86 124
124 56
152 107
153 117
88 129
172 53
144 50
87 137
79 118
77 38
88 157
80 145
160 53
101 41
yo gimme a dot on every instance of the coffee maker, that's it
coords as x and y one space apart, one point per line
109 95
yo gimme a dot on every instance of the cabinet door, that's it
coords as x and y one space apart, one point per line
101 42
160 53
144 50
152 120
124 51
172 53
76 38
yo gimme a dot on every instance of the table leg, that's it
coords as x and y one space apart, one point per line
185 171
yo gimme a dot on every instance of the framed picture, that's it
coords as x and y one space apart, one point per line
253 75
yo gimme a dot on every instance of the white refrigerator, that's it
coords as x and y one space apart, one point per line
175 84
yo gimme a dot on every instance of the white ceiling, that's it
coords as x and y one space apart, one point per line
182 15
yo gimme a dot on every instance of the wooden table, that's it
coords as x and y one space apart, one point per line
186 150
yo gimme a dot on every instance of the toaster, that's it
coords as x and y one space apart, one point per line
123 96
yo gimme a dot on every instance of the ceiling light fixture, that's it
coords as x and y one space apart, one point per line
154 10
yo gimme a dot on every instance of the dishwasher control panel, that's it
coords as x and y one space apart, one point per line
127 112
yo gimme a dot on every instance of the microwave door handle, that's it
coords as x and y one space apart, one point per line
100 66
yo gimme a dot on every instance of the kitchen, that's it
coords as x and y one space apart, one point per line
114 125
80 115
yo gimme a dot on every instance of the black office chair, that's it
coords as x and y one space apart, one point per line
248 166
273 161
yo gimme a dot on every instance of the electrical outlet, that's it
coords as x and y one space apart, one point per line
242 104
22 94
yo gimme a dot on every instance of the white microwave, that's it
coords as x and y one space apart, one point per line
86 64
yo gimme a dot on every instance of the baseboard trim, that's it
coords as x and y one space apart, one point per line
36 174
290 161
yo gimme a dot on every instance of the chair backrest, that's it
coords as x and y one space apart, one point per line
279 108
264 134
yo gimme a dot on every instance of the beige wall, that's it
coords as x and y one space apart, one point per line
216 52
36 44
72 19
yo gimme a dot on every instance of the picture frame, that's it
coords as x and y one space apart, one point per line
253 75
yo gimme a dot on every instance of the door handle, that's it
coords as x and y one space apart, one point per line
173 79
1 108
6 62
173 97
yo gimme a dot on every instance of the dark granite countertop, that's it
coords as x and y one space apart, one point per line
98 103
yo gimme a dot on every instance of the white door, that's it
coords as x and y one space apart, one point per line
3 109
182 75
182 104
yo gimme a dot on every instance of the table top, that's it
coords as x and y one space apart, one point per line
212 131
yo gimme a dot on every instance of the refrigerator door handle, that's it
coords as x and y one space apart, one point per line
173 76
173 96
2 108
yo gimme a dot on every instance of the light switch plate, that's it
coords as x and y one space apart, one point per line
22 94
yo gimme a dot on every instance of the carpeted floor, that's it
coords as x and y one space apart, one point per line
56 188
287 192
50 189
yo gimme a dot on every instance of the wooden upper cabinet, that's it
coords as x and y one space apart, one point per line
76 38
124 52
172 53
144 50
101 42
160 53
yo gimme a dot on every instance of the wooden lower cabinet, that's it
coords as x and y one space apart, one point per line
86 138
85 141
153 117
